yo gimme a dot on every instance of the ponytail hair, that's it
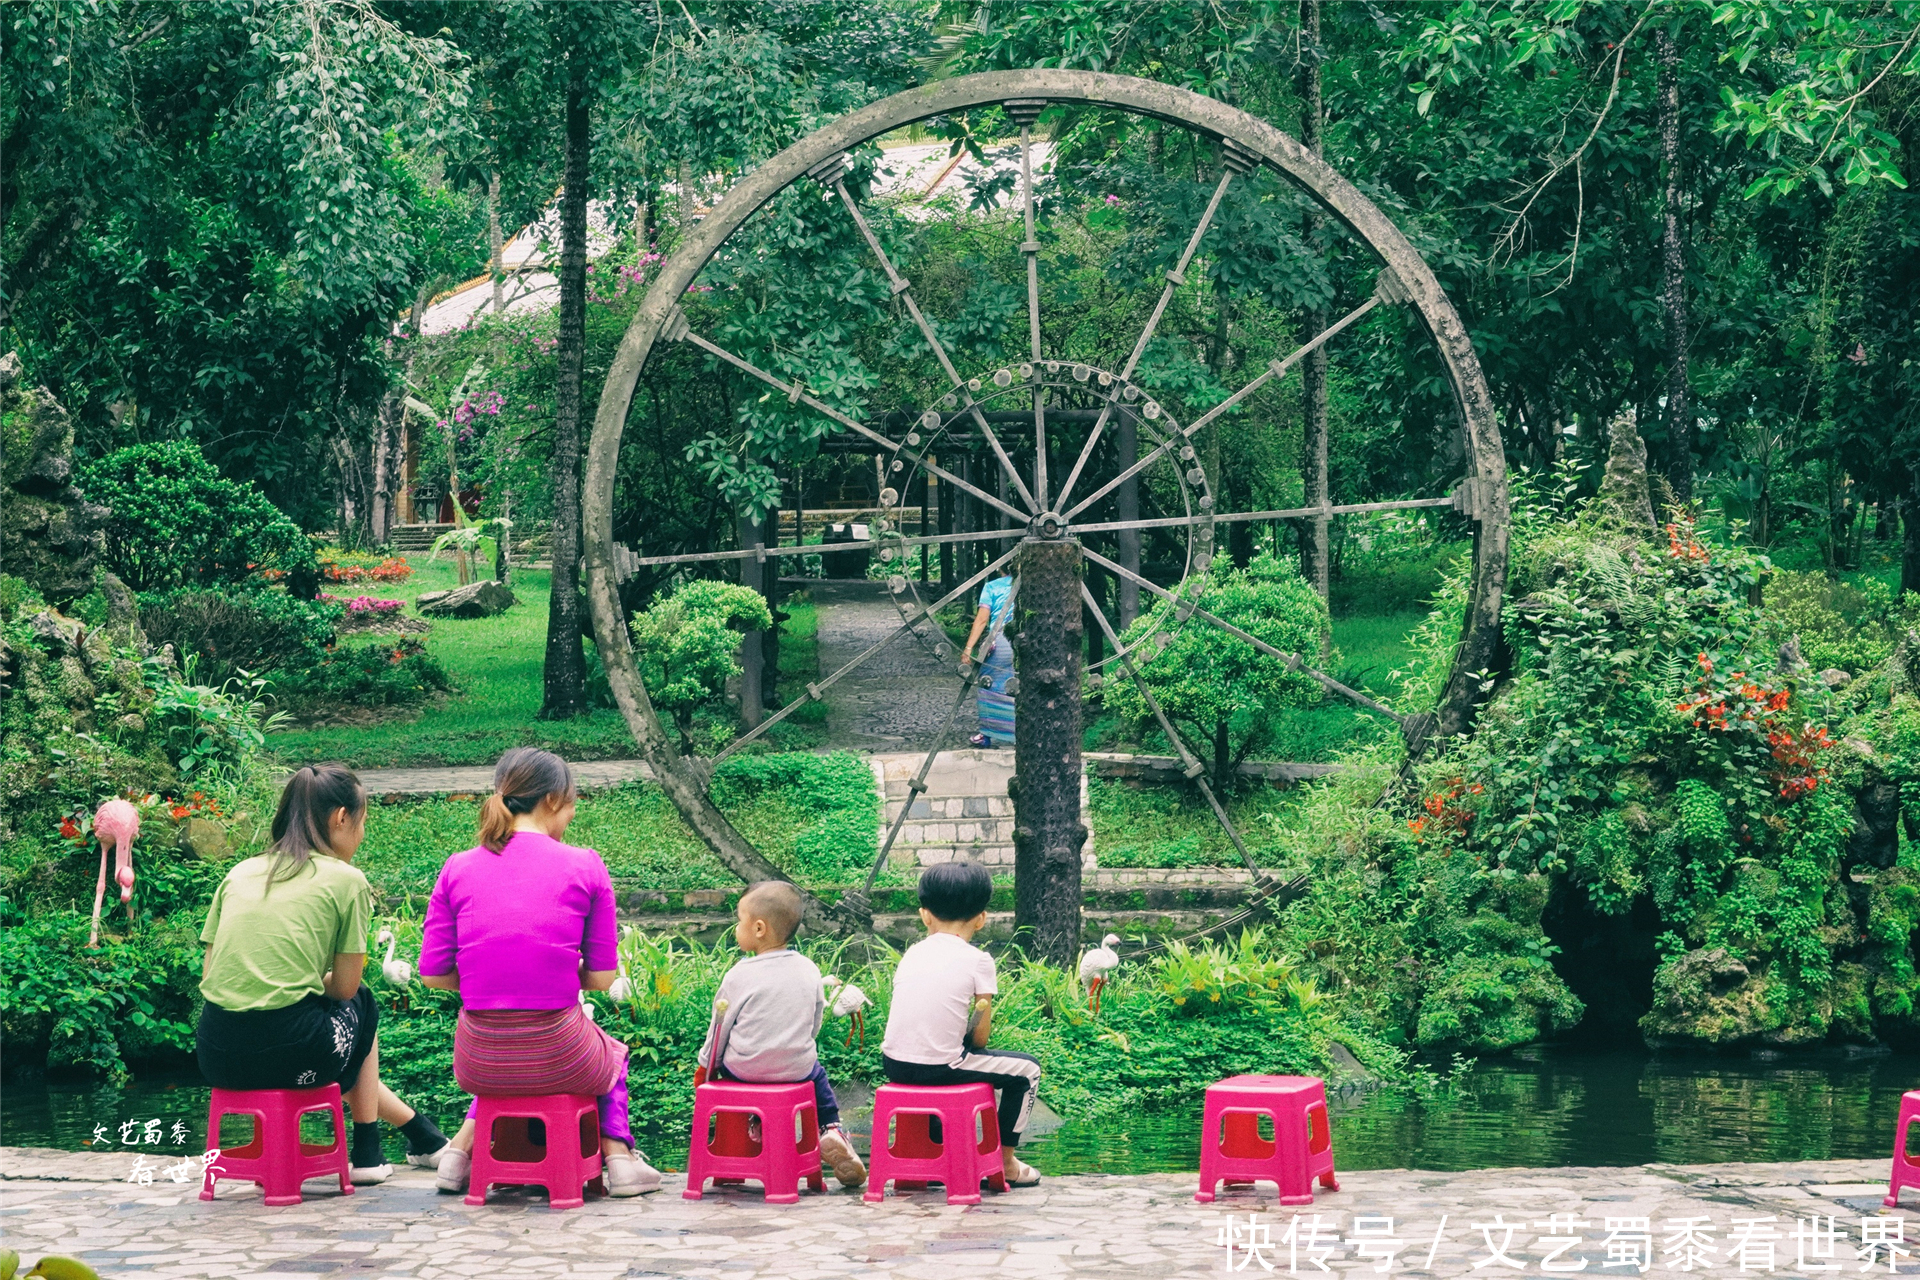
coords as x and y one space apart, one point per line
303 821
524 777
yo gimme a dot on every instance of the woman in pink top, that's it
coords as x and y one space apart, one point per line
520 926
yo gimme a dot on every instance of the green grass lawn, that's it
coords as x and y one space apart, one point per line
816 817
497 667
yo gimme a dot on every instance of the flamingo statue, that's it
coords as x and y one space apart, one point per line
117 823
849 1001
1096 965
398 972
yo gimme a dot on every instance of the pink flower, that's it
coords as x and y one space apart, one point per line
1112 200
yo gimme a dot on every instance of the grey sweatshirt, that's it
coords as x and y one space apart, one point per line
773 1006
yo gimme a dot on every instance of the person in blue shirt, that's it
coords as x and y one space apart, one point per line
991 698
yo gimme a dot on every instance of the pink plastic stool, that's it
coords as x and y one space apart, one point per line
1906 1172
787 1152
276 1158
1301 1149
913 1159
505 1156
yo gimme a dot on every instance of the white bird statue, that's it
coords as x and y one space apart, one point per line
586 1006
1096 965
622 988
848 1001
398 972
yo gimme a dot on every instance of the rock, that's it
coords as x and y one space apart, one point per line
475 600
1835 678
204 839
59 633
50 535
1347 1067
1623 489
1875 838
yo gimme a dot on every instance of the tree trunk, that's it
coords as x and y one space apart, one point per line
1126 500
566 667
1910 548
752 653
495 262
1313 372
1222 757
1673 264
1047 832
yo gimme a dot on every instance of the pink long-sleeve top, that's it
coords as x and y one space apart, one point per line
516 924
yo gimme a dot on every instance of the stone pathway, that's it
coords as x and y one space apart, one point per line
1141 1227
896 700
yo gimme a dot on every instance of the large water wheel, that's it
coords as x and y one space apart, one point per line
1043 427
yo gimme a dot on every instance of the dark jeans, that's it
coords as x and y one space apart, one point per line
823 1100
1014 1076
313 1042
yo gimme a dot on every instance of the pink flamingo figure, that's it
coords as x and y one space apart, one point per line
116 822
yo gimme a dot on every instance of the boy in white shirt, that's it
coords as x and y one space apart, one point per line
942 1007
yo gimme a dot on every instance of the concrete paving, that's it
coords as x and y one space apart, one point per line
1801 1219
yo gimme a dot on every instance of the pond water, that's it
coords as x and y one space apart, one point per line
1537 1107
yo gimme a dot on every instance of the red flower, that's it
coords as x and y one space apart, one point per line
69 828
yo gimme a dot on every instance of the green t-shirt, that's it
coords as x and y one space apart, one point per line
271 947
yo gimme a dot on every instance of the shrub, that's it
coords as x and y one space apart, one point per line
178 522
1221 691
1852 628
370 675
209 730
685 645
337 565
234 631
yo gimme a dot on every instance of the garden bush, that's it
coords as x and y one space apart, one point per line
685 644
1838 625
232 631
382 674
1250 1012
178 522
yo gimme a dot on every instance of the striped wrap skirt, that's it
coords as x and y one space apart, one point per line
991 698
519 1052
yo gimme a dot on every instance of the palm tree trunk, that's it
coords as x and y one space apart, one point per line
566 668
1673 263
1313 373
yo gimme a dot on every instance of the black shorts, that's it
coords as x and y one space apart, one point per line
303 1046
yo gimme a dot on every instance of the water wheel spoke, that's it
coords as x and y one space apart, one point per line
1031 248
903 289
1175 278
797 393
1275 369
1294 661
1290 513
818 691
1190 763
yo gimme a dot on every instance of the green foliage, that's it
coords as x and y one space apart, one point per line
177 522
233 631
1853 628
685 644
384 673
1135 1054
97 1012
1216 687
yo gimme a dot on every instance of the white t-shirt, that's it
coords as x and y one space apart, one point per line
933 994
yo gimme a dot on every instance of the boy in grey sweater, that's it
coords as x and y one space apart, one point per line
767 1014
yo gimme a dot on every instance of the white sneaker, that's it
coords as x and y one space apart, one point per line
842 1158
455 1167
369 1175
629 1175
1018 1172
428 1159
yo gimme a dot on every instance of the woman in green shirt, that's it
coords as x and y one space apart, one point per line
286 941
